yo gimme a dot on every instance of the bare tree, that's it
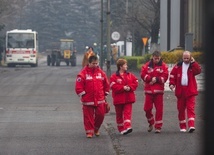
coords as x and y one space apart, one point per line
150 20
140 17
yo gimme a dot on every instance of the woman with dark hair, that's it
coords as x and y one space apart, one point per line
123 85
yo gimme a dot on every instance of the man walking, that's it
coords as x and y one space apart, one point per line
182 80
92 86
154 74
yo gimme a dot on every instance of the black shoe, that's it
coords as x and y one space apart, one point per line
191 129
129 130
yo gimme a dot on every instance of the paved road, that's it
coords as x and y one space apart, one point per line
40 114
170 141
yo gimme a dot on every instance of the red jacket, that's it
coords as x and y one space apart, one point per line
92 86
176 74
150 70
119 95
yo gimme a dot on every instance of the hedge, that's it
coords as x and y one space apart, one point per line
135 62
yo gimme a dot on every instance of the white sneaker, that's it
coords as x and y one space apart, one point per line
157 131
122 132
191 129
183 130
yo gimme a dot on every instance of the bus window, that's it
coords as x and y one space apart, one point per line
18 40
30 44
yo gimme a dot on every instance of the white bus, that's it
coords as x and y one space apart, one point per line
21 48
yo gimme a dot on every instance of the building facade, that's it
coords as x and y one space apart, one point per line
180 19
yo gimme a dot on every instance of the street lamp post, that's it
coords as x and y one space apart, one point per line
108 64
101 37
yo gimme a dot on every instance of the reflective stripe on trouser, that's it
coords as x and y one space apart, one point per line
93 117
123 116
157 99
182 124
186 104
191 122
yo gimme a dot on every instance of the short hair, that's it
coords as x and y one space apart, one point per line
90 48
120 62
156 53
92 58
187 52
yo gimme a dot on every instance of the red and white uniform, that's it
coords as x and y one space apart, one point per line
185 93
122 99
154 92
92 86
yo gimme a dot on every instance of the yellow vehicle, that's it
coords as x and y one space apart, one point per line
66 53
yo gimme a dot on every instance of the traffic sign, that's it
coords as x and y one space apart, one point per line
115 36
144 40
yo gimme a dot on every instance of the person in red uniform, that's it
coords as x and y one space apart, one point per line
92 86
154 75
182 81
123 84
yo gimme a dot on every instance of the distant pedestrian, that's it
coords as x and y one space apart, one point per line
123 85
86 56
182 80
114 53
154 74
92 86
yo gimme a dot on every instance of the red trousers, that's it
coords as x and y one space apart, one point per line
157 100
123 116
186 104
93 117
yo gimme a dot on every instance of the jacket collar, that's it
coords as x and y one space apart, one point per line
91 69
151 64
118 73
181 62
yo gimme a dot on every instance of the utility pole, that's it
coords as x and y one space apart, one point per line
101 38
108 64
133 30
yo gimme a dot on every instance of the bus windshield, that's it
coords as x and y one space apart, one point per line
20 40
